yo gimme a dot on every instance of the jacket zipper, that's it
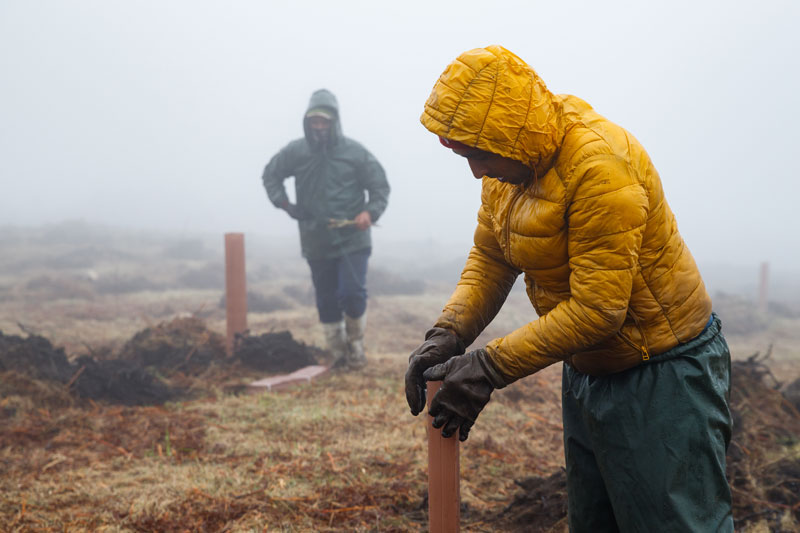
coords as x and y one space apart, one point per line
517 194
644 350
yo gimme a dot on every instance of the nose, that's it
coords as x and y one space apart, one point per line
478 170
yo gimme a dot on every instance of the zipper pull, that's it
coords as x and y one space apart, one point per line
645 354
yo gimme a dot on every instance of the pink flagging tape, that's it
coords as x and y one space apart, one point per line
282 381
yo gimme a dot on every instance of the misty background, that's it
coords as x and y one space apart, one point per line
160 115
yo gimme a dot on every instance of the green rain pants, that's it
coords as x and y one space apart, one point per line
645 448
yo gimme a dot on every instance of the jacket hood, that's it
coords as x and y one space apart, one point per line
324 98
490 99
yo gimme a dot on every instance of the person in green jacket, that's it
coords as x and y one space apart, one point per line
341 190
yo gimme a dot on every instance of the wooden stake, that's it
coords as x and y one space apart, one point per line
444 497
235 288
763 286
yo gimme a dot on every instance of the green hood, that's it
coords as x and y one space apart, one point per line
324 98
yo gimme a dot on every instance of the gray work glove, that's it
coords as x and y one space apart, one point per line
468 382
440 345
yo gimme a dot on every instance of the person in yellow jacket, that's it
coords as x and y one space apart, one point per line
573 202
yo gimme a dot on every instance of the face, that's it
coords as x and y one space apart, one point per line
320 129
495 166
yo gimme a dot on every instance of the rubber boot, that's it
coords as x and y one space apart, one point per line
336 342
355 340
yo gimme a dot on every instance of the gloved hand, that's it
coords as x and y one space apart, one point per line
440 345
363 220
468 382
295 211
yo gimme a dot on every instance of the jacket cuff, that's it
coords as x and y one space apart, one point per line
436 330
495 377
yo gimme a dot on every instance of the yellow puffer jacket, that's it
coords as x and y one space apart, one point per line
606 270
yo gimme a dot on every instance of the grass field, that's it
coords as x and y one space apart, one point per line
340 454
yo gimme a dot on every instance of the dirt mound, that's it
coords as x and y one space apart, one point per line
34 356
185 345
275 352
179 351
182 344
541 505
32 367
119 382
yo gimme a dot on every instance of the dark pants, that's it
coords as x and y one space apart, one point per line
340 285
645 448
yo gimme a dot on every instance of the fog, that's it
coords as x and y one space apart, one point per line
161 115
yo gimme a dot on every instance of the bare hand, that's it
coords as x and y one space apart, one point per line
363 220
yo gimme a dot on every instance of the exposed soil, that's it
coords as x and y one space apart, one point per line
182 344
24 361
34 357
541 504
156 365
119 382
275 352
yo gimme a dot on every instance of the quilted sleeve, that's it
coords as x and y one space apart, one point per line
281 166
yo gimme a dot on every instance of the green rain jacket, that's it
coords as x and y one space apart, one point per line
334 181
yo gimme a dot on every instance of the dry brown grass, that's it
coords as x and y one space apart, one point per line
342 454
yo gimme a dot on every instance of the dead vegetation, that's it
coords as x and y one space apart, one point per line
334 456
341 454
764 456
168 361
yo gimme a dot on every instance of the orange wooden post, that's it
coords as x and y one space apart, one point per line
763 285
235 288
444 497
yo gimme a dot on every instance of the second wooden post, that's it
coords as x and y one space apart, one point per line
235 288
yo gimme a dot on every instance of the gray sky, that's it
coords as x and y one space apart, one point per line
162 114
